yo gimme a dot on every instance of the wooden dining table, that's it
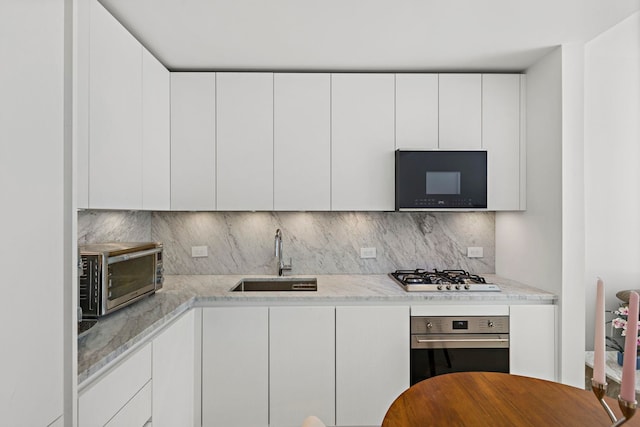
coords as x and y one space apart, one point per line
498 399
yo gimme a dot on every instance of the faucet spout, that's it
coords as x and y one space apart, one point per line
278 242
278 253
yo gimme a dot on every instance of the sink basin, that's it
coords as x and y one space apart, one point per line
276 284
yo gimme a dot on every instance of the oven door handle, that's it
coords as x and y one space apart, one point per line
461 340
133 255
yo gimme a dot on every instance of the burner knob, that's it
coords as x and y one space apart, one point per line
429 325
467 286
439 287
490 324
448 287
458 287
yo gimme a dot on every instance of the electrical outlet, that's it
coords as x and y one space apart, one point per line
475 252
367 252
199 252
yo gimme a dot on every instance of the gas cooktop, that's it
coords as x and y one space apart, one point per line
442 281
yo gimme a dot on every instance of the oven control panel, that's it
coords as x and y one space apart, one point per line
460 325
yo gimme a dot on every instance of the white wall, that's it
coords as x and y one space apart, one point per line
573 251
35 256
612 163
529 243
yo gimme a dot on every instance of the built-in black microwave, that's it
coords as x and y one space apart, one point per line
437 179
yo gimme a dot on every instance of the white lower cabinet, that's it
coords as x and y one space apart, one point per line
372 362
174 374
136 411
122 396
235 366
301 365
532 336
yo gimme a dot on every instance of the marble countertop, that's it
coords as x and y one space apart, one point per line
116 333
613 371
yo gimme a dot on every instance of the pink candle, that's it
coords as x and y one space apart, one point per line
598 343
628 386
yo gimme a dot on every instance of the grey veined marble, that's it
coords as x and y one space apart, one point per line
113 226
323 242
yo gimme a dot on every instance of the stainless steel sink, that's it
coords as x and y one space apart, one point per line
276 284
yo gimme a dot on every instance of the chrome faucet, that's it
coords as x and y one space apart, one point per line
278 251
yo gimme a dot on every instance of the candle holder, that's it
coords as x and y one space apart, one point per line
628 408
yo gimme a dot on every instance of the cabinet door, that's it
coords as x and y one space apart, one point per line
501 139
81 101
137 411
301 364
193 150
416 111
362 153
235 366
115 114
245 141
302 142
372 362
156 134
460 111
174 374
36 371
532 336
101 401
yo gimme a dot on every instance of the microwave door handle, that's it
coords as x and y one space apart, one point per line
125 257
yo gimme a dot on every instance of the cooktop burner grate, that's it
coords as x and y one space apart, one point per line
441 280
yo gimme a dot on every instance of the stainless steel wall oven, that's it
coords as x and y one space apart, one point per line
441 345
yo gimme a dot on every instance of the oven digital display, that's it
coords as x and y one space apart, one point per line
460 324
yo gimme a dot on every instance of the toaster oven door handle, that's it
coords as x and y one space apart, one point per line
133 255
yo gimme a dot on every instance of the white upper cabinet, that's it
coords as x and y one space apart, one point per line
115 114
193 149
460 112
362 154
416 111
501 130
302 142
244 141
156 143
122 117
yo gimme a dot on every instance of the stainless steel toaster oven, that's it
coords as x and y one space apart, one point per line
114 275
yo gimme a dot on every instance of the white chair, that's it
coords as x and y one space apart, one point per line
313 421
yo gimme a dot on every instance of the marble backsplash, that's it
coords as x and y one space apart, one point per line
317 242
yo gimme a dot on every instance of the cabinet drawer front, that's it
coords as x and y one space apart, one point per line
103 399
136 412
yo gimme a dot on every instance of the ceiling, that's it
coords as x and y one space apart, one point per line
363 35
